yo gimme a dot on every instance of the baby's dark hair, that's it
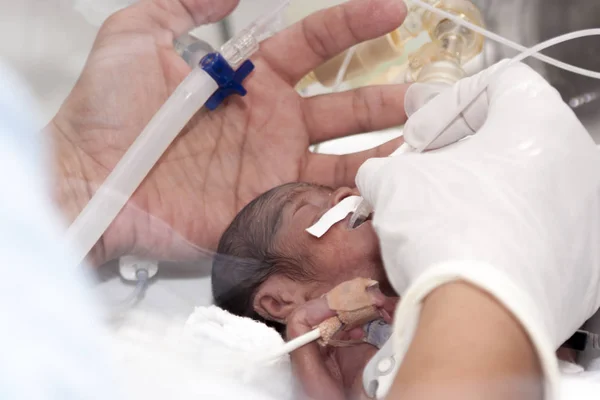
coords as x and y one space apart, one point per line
248 253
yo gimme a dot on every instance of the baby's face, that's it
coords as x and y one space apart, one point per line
342 253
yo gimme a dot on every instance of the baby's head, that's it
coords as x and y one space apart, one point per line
267 264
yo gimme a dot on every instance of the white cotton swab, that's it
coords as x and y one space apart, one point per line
294 344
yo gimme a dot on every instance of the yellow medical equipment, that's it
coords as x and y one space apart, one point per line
449 46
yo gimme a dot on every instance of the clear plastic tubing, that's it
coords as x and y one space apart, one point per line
528 53
189 97
364 209
499 39
137 162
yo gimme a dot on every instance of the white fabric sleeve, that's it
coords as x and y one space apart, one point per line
51 339
495 283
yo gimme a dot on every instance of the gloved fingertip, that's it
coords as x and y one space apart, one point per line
368 173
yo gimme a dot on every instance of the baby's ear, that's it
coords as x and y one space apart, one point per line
278 297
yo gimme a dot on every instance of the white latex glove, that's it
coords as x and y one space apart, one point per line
514 210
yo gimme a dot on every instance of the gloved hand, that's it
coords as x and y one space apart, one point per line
514 209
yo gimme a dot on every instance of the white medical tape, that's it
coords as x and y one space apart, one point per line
334 215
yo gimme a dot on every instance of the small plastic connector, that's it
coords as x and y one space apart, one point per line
192 49
229 81
242 46
581 340
130 265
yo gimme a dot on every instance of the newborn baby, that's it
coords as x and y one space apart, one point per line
268 265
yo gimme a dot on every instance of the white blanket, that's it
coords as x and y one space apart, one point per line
237 345
214 355
577 384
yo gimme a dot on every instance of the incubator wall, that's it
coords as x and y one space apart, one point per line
529 22
58 34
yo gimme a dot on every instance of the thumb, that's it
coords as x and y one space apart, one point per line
317 311
425 128
307 316
175 16
432 109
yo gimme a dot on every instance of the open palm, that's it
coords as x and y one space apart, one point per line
225 158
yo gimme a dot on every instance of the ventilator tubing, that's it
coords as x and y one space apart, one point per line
189 97
137 162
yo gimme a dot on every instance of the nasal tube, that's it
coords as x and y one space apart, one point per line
218 76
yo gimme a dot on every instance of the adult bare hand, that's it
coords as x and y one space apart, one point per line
223 159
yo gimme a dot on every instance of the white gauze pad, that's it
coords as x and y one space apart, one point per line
334 215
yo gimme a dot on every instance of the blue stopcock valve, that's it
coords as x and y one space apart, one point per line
229 81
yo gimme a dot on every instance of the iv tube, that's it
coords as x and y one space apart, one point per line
365 209
157 136
529 52
339 80
139 159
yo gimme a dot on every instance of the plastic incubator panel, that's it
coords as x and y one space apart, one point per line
448 42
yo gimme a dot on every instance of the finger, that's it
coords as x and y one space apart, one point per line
362 110
175 17
307 44
306 317
315 311
337 171
357 333
378 299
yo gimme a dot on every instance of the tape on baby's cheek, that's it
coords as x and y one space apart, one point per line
334 215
